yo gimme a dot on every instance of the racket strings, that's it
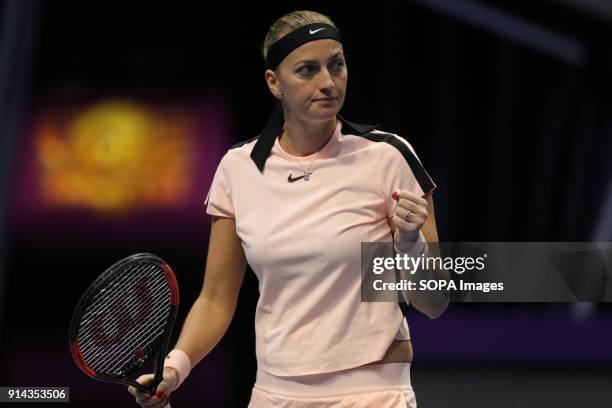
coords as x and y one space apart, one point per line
155 319
125 347
111 312
124 319
110 319
116 289
117 323
127 351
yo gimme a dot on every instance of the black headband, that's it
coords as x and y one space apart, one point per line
280 49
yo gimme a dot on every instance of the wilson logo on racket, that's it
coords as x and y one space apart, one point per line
107 332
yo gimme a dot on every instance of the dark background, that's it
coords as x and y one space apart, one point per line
508 105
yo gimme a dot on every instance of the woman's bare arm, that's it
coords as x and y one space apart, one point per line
214 308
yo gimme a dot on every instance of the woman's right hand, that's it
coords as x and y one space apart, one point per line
165 387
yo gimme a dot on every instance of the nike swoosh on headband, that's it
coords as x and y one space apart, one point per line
291 180
315 31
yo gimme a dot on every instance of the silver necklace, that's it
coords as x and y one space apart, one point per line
307 173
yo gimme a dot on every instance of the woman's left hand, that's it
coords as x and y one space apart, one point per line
410 214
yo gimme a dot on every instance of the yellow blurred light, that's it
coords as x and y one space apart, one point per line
115 155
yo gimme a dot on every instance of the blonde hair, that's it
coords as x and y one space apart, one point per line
289 22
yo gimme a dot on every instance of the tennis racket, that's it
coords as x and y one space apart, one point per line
125 318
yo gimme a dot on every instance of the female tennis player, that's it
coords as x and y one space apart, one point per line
296 202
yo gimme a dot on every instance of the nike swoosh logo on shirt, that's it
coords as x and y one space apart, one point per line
291 180
313 32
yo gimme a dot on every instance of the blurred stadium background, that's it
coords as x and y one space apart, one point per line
114 116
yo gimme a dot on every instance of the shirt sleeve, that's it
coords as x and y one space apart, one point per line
402 170
219 198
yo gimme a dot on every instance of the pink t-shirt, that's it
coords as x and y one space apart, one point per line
303 241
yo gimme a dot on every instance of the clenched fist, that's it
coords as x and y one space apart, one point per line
410 214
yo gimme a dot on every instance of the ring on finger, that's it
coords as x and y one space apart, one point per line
407 215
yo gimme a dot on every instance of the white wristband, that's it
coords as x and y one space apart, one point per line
411 248
179 360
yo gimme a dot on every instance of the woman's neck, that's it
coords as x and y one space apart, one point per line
303 139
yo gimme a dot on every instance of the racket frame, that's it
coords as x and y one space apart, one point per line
160 347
